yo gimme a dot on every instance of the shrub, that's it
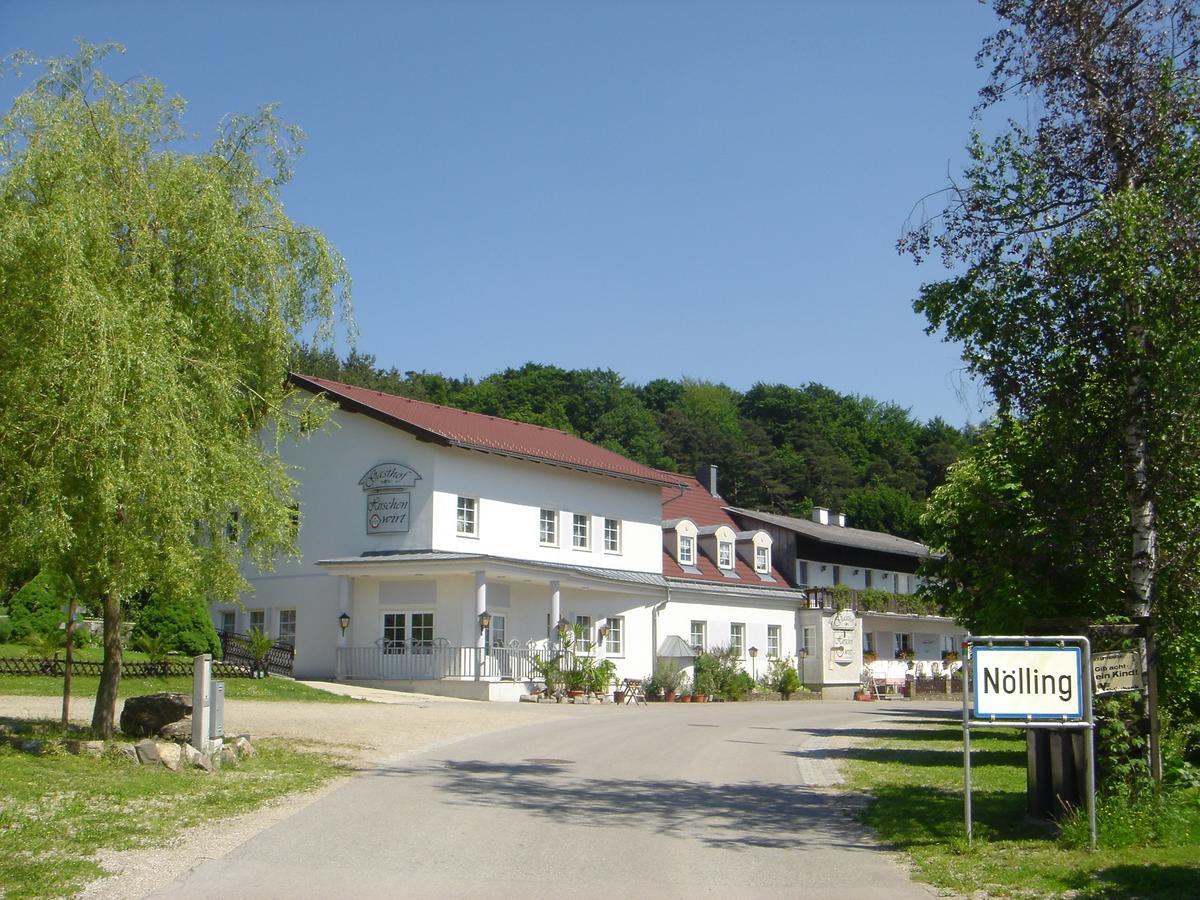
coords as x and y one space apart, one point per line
182 624
782 676
37 607
6 630
719 671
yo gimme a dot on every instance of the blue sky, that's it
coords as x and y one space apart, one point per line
666 189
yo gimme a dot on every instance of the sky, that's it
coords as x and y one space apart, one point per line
666 189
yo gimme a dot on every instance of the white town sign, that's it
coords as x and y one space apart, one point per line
1037 682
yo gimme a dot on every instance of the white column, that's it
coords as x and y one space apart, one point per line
555 606
343 594
480 608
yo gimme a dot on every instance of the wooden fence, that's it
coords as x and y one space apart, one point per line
32 665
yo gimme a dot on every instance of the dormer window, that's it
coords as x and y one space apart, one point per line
687 550
680 542
762 560
725 554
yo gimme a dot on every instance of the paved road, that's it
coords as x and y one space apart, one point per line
662 801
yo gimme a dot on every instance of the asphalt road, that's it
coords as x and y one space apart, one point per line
662 801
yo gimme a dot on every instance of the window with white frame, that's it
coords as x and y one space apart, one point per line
467 520
903 642
737 637
395 632
949 644
808 644
287 626
762 560
700 635
612 535
868 642
774 639
725 554
410 632
422 632
583 624
494 636
614 644
687 550
258 619
548 528
802 572
228 621
580 539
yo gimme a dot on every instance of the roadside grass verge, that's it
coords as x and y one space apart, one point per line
58 810
915 778
273 688
83 654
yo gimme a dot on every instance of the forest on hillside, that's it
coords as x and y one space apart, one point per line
778 448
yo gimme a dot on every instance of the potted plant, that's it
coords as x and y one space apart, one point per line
685 691
548 673
869 656
575 680
949 657
704 687
907 655
600 677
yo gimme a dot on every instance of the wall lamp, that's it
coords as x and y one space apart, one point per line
344 621
485 620
753 652
603 631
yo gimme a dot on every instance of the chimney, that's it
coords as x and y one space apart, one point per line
841 520
820 515
707 476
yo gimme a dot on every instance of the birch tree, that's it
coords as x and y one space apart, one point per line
149 298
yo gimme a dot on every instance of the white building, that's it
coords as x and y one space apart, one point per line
419 522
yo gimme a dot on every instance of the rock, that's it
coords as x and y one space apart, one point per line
145 716
170 755
128 751
93 748
147 752
34 747
244 748
228 754
180 732
195 759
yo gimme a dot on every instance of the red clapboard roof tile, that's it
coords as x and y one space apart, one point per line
475 431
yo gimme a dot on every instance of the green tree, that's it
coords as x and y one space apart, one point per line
149 303
182 624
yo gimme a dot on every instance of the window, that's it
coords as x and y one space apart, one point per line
774 633
737 637
700 636
468 523
724 555
809 640
494 636
903 642
548 528
687 550
762 560
801 572
837 575
258 619
868 642
586 639
579 531
949 644
394 632
867 573
422 632
228 621
612 535
287 626
615 644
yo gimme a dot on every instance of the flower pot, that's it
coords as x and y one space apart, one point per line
618 697
669 696
863 695
575 694
685 698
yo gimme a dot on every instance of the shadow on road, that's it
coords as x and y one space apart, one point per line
720 815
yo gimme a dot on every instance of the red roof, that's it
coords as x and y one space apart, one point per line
698 504
475 431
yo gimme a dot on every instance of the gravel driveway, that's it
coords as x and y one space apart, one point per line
366 734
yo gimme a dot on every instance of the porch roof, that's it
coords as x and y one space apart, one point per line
651 579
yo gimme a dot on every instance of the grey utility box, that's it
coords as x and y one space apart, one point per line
216 719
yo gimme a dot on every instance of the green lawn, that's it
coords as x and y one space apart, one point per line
87 654
56 811
915 777
273 688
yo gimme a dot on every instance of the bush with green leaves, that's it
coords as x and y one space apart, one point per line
718 671
782 676
37 608
182 624
6 630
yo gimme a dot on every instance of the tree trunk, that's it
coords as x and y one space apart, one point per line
1143 560
105 713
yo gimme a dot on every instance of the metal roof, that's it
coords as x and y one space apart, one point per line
652 579
838 535
675 647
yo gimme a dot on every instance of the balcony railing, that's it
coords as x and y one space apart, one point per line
870 601
438 659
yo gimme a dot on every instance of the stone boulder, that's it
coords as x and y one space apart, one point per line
180 732
145 716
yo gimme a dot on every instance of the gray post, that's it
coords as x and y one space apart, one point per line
967 742
201 698
1089 742
480 608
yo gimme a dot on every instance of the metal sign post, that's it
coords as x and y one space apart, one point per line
1030 683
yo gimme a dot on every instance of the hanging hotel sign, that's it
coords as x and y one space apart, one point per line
843 626
1036 682
389 503
1116 673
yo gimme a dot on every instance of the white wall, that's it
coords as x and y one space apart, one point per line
719 613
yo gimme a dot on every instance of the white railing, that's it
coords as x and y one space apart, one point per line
434 660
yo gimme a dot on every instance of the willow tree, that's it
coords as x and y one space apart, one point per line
149 298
